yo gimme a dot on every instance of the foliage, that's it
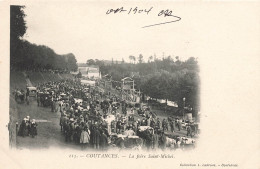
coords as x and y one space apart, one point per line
17 30
27 56
168 78
17 22
140 58
38 57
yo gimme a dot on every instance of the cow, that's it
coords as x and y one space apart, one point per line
170 143
133 142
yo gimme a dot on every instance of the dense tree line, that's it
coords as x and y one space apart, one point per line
27 56
167 78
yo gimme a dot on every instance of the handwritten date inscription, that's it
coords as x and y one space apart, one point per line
136 10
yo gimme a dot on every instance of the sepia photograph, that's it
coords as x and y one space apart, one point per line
129 84
85 98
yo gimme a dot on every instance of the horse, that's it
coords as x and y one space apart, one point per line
19 95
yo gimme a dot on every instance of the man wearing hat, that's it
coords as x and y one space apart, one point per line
155 140
172 125
179 124
189 130
103 140
67 130
96 137
152 123
163 141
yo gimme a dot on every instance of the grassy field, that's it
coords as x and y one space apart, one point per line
17 80
38 77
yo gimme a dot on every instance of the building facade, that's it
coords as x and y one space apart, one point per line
89 71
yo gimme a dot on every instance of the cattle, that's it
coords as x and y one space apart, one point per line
170 143
131 142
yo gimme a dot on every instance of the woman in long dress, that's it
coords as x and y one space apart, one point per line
85 137
22 128
33 128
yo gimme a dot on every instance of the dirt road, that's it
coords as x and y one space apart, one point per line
49 134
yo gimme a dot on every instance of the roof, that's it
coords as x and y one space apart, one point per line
127 78
93 71
31 88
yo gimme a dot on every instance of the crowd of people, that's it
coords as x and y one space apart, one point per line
96 119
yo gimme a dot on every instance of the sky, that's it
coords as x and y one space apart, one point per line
85 30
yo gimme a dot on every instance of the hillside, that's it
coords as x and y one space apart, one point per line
18 80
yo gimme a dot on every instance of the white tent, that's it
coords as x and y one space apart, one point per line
89 82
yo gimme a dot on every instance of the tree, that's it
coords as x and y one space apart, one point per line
100 63
140 58
177 60
17 30
131 58
72 62
150 58
27 56
91 62
17 22
191 60
134 59
163 79
34 57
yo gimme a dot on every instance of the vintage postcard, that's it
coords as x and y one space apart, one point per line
130 84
